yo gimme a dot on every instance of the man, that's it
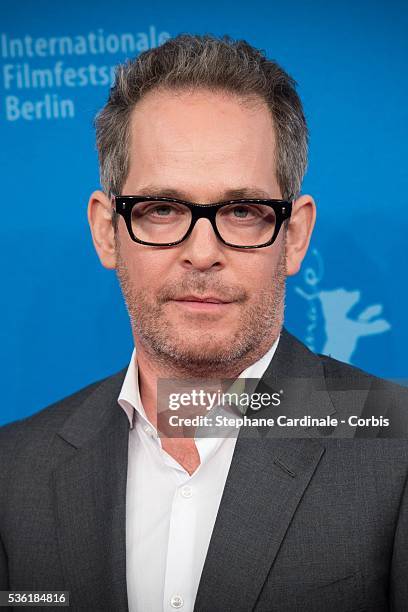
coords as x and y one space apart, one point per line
202 148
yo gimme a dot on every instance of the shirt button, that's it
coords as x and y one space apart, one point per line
148 430
177 601
186 492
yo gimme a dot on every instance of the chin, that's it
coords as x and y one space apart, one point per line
204 348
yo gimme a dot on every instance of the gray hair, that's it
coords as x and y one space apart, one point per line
188 62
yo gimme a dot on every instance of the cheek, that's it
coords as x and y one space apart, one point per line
147 269
256 272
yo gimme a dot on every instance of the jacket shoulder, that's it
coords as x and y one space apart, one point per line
41 425
339 369
335 369
383 398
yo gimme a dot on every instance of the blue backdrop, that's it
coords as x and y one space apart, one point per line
62 316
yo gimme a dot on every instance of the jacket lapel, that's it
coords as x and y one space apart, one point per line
267 479
90 501
265 484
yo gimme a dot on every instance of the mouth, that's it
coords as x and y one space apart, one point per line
208 299
202 303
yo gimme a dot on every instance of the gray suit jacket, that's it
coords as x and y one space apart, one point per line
309 523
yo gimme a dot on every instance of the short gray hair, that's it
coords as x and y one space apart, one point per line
192 61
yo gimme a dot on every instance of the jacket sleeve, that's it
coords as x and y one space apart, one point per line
4 583
7 446
399 567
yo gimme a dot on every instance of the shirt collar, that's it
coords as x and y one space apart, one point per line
129 396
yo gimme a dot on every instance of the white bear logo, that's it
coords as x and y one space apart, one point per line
342 332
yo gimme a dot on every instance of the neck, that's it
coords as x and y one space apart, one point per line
152 368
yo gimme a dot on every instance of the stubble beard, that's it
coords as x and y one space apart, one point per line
201 353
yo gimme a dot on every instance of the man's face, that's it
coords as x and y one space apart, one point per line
203 147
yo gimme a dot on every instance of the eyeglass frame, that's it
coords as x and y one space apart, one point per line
123 205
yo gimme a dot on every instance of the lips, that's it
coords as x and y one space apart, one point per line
202 299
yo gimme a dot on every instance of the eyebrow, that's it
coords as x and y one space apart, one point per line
230 194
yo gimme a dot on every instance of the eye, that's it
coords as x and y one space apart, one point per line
158 210
162 211
241 211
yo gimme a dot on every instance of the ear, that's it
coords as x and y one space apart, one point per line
100 222
299 232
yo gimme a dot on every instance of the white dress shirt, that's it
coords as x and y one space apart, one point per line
170 515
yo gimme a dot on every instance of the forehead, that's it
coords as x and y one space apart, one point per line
199 138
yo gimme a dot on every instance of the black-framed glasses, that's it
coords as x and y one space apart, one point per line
160 221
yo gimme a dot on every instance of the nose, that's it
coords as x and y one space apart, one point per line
203 250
